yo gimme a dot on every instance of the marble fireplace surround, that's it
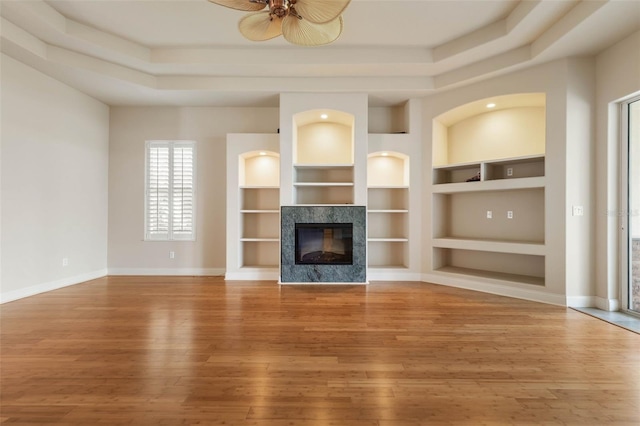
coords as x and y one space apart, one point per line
290 273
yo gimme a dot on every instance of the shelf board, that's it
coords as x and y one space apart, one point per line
259 211
388 187
490 185
387 240
322 184
515 160
458 166
323 166
392 134
387 211
324 204
259 239
499 246
499 276
497 161
258 187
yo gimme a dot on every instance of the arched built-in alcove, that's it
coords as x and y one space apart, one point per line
323 152
323 136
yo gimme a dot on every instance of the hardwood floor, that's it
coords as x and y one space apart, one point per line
177 351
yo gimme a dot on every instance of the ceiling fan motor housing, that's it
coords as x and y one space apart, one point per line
278 8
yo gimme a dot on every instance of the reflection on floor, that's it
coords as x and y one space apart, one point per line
620 319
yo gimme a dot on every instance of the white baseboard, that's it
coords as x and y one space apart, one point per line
581 301
391 275
323 283
256 275
611 305
601 303
10 296
206 272
498 289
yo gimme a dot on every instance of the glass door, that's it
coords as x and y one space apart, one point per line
631 197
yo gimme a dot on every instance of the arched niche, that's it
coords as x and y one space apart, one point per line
491 128
387 168
323 136
259 168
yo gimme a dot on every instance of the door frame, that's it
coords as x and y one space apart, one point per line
624 213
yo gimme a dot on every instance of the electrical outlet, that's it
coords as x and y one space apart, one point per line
65 261
489 214
172 255
510 214
510 171
578 211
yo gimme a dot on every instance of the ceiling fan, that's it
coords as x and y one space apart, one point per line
301 22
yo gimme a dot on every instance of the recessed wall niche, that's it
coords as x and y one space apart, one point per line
323 137
489 190
259 180
388 209
389 119
323 152
259 168
514 127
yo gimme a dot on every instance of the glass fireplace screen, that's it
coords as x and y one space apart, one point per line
324 243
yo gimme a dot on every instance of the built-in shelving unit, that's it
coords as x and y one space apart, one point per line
260 210
488 212
388 210
253 206
331 149
259 224
394 195
323 183
323 160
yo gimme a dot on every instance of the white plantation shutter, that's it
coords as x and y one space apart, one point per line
170 190
182 189
157 192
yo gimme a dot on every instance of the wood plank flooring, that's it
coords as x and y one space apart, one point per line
194 350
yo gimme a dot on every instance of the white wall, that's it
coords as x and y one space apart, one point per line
617 78
580 181
130 128
54 183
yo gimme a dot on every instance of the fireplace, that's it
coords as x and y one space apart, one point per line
324 244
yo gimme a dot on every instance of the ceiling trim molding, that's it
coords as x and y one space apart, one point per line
35 33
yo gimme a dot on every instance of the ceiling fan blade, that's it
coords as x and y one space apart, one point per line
260 26
245 5
305 33
320 12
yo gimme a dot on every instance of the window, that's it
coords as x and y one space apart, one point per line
170 190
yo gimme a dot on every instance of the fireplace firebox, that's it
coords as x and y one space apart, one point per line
324 243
